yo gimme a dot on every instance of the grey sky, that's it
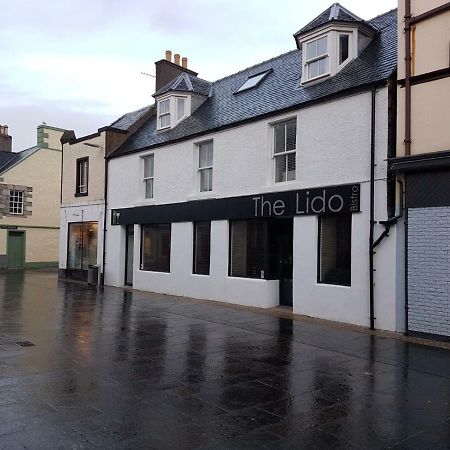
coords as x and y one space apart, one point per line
77 64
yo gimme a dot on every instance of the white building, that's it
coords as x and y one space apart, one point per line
260 188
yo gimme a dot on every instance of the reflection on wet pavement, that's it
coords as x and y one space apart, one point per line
129 369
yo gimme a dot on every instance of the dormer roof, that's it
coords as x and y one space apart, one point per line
186 83
335 13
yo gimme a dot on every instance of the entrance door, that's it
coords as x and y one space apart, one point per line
15 258
281 243
129 250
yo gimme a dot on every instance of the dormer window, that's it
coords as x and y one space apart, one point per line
344 47
181 107
317 63
164 113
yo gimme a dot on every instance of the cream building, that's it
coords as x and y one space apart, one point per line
82 218
422 162
29 201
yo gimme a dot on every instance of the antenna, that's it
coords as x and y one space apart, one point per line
148 74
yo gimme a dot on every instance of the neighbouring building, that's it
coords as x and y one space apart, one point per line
83 194
422 162
267 187
29 200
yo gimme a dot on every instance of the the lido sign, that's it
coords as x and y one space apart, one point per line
326 200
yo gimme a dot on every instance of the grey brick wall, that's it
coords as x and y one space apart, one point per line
429 270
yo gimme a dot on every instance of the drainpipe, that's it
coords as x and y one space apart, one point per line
372 211
407 77
105 193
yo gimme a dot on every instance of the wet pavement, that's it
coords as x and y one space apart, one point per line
129 369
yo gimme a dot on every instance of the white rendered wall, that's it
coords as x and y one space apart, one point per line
333 147
89 212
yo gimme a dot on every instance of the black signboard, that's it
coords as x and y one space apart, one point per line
8 227
325 200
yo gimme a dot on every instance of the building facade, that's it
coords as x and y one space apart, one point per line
267 187
82 213
422 162
29 201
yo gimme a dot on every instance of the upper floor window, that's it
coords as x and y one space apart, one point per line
82 176
181 107
285 144
164 113
344 47
205 165
15 202
149 173
317 61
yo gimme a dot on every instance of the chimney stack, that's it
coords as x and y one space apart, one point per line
5 139
167 70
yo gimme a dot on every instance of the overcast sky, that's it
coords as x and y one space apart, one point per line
77 64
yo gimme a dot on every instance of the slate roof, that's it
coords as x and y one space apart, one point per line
186 83
125 122
335 12
9 159
278 91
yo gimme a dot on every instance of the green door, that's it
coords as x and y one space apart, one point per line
15 251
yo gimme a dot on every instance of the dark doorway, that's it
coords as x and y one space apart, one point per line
129 249
281 254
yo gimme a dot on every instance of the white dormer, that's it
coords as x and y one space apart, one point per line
331 41
179 99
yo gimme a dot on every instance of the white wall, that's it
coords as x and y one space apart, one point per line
333 147
88 212
181 281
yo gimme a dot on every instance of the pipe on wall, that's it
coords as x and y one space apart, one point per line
407 77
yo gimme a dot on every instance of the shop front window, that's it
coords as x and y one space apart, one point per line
82 245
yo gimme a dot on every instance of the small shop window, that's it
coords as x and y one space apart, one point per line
202 247
82 245
155 247
248 248
335 244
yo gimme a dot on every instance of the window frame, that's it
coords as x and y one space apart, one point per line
160 115
141 259
18 203
261 75
79 162
205 168
285 153
307 62
145 179
319 229
349 48
176 98
195 251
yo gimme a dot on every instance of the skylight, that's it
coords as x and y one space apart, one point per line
253 81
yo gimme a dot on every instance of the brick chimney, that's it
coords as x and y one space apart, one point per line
5 139
166 70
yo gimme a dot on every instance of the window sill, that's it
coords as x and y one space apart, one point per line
346 286
146 202
320 77
81 194
202 195
154 271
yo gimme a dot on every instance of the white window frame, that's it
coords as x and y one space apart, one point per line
160 115
307 62
149 178
16 202
201 169
285 153
176 97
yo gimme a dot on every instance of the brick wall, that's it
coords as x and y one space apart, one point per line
429 270
4 200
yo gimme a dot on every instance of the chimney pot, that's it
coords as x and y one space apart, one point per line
5 139
176 59
168 55
184 62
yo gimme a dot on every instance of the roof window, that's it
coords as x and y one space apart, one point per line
253 81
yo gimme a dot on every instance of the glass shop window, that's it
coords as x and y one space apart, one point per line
202 247
82 245
155 247
248 248
335 245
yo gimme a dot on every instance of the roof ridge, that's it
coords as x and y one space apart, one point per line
255 65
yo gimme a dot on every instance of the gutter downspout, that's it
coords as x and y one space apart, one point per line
407 77
372 210
105 193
